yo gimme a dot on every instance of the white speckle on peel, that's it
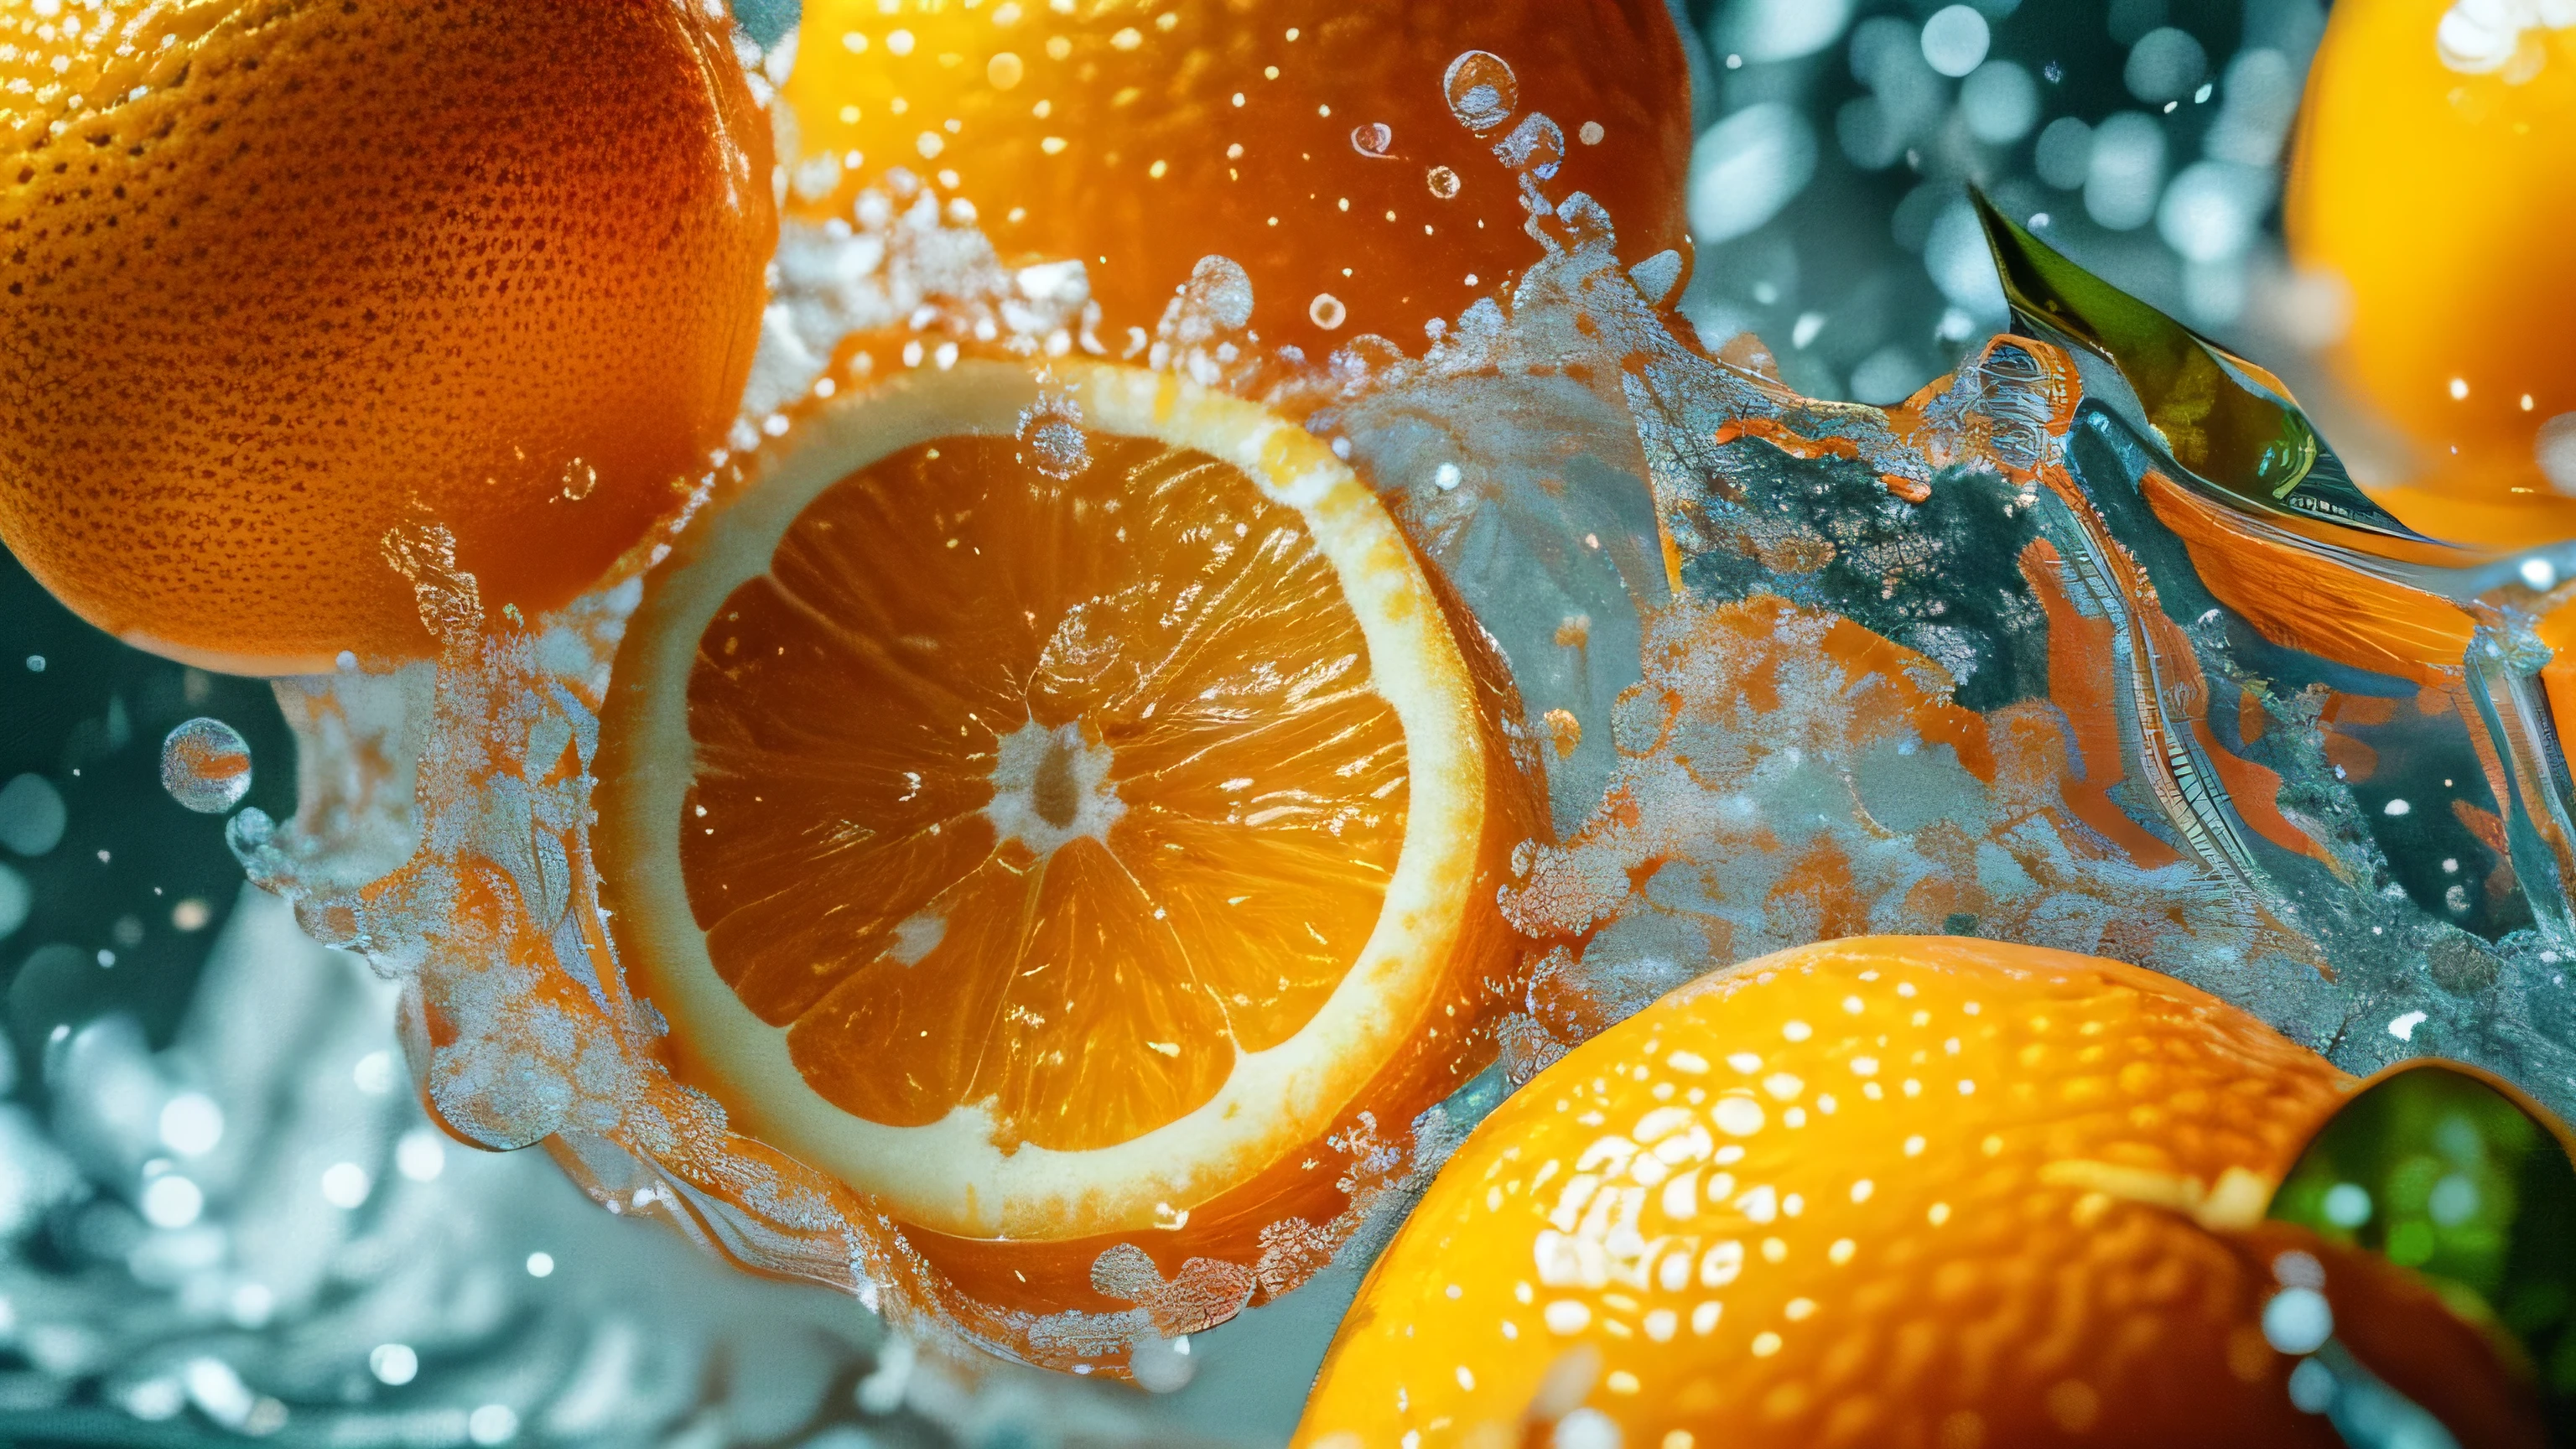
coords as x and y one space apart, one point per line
2403 1028
1737 1116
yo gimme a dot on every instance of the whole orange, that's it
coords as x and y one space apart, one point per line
1922 1191
283 276
1344 154
2435 174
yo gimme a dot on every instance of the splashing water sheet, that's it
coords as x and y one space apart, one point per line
2021 658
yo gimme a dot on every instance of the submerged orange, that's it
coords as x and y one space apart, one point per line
1317 143
284 276
1055 809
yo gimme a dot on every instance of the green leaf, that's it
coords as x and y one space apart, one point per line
2456 1175
2221 419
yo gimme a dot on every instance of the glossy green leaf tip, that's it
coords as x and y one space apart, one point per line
2221 419
2442 1171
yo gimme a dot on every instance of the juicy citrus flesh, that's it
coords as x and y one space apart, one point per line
286 276
1092 771
1904 1191
2443 199
1312 143
1048 854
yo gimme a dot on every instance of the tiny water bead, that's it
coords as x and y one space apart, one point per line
205 765
1442 181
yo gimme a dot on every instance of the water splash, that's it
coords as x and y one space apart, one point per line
1981 664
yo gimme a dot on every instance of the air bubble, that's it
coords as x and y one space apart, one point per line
205 765
1374 139
1051 437
1443 182
1482 90
1326 311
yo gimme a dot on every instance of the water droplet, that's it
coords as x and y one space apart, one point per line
205 765
1373 139
1444 182
1326 311
1051 437
1482 90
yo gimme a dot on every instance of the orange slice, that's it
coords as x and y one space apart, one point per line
1050 811
1894 1190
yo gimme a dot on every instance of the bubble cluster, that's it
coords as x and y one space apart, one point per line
1051 437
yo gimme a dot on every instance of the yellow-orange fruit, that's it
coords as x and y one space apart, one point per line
2435 174
283 275
1312 141
1916 1191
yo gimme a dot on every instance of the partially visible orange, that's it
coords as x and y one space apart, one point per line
1057 810
1311 141
1901 1191
285 275
2435 173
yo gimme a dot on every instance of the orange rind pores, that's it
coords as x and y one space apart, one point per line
1357 161
288 278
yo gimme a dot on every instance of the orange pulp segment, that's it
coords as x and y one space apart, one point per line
1045 825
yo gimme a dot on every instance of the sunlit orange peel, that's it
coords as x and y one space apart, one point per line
1891 1190
1319 144
286 277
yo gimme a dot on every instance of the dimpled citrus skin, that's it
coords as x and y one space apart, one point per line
2444 201
1140 137
1894 1191
280 275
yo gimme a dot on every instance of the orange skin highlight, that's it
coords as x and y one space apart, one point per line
309 273
2444 201
2052 1253
1114 135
